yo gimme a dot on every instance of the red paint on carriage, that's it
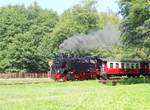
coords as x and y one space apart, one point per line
121 71
121 68
148 71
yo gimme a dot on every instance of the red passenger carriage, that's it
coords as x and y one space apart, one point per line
121 67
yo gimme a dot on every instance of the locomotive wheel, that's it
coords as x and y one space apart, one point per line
104 76
133 76
144 74
137 76
98 77
71 76
128 76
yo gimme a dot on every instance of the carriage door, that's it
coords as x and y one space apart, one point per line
103 67
144 68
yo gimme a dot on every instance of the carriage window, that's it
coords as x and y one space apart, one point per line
136 65
111 65
146 65
127 65
117 65
122 65
132 66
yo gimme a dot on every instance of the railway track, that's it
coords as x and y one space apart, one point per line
111 81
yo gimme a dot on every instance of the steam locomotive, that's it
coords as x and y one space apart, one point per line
65 68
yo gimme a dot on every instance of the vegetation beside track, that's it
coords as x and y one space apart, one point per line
126 81
132 80
76 95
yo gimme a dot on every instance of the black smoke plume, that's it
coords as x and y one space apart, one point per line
105 38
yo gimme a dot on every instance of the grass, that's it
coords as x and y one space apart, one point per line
77 95
24 81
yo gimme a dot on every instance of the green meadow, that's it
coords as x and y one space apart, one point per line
75 95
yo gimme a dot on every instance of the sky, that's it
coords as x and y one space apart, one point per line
61 5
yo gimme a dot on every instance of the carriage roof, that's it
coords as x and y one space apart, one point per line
123 60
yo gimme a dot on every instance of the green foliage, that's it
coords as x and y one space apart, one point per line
101 52
136 19
21 34
143 53
105 18
132 80
135 27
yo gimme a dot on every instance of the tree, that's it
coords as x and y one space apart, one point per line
21 34
105 18
136 17
79 19
136 26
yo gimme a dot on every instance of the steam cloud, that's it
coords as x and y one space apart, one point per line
106 38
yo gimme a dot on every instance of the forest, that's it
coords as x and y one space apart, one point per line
31 36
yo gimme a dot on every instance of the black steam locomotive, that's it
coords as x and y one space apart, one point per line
66 67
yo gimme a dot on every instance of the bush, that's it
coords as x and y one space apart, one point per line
135 80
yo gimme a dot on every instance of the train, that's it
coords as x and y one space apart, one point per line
64 68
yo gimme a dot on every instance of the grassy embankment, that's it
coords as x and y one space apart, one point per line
77 95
